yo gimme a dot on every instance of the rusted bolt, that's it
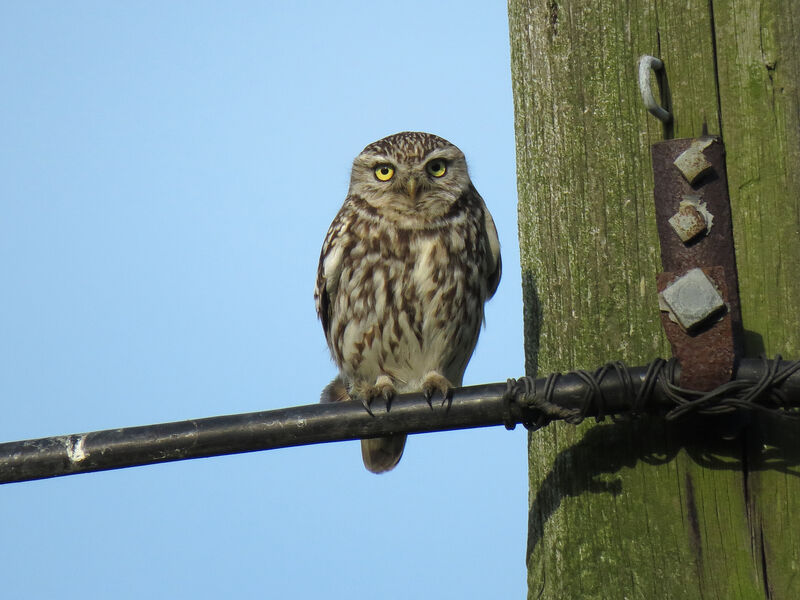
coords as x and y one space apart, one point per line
688 223
692 218
691 299
692 163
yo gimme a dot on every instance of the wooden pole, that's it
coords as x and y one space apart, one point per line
705 508
758 50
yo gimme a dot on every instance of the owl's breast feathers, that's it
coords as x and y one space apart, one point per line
406 297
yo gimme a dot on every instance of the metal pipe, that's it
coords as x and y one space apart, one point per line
476 406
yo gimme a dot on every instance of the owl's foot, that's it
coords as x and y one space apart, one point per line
366 393
434 382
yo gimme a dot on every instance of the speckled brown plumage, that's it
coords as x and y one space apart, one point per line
405 270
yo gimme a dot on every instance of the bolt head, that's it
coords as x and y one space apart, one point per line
691 299
692 163
688 222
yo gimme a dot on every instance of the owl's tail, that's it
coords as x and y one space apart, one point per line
382 454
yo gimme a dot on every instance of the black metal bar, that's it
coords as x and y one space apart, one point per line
476 406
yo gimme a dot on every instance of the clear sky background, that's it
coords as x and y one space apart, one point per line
168 171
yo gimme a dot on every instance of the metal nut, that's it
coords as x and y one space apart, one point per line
688 222
691 299
692 163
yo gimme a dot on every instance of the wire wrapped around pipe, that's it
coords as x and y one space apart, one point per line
613 389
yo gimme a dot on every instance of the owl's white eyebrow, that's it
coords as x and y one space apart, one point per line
440 153
372 161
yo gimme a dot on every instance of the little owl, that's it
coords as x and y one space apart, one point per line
405 270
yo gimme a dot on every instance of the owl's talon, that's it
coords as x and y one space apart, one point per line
434 382
366 393
385 388
365 402
427 391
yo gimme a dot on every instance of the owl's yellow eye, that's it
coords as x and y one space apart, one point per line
384 172
437 167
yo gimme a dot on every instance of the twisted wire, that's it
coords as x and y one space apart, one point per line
743 395
543 406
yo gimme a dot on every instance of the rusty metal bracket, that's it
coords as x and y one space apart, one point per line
699 290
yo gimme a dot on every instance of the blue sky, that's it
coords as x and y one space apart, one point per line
167 175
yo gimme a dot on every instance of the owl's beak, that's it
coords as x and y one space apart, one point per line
412 188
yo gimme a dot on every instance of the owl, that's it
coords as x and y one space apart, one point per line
404 272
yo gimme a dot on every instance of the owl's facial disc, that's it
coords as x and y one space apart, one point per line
411 187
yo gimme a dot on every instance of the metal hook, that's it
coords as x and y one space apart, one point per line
647 64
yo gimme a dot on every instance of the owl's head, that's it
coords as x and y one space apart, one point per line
411 175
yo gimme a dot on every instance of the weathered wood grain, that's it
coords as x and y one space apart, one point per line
639 509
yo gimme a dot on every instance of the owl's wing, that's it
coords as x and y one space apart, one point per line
496 262
329 270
